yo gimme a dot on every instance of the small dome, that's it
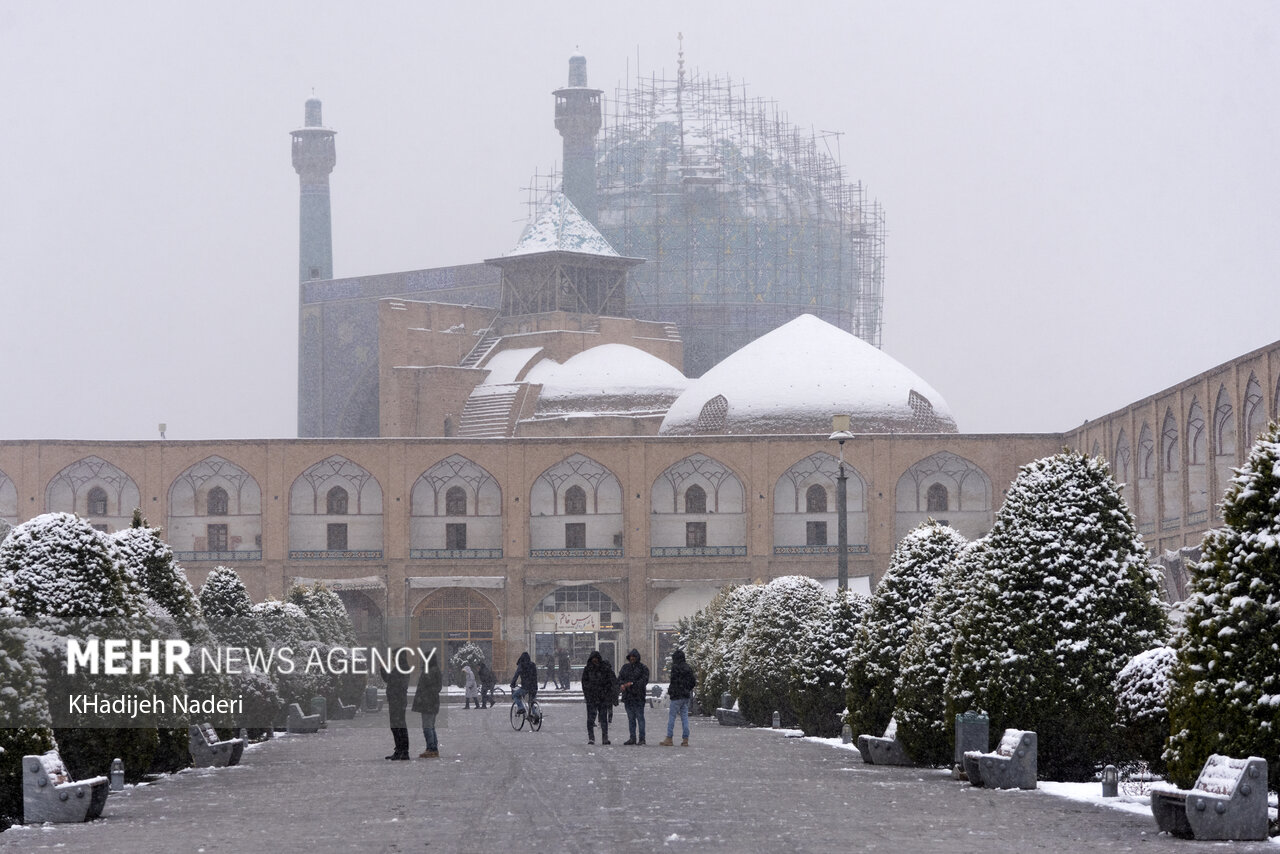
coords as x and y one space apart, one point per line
609 379
795 378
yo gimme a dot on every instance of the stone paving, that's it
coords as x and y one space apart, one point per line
494 789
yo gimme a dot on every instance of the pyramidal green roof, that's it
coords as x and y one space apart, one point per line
560 227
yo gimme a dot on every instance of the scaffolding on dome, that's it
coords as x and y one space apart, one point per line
746 220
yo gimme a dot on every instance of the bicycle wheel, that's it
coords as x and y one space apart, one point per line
535 716
517 719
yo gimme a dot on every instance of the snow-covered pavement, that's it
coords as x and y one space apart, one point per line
495 789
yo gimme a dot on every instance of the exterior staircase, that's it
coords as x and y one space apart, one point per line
487 412
483 347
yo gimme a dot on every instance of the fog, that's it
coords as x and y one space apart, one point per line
1082 199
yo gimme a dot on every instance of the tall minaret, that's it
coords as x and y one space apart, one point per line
578 119
314 156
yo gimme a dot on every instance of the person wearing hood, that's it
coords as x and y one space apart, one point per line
397 680
426 701
472 687
679 693
486 678
599 687
634 678
525 681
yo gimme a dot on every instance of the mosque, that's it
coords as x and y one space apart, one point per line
578 441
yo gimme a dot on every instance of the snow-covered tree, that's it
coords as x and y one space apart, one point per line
817 677
1142 704
925 724
24 712
228 610
327 614
284 623
900 597
716 659
1067 598
62 572
774 646
1226 683
161 577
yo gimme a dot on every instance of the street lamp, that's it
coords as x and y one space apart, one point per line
840 432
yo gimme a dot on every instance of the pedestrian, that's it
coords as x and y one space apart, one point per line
548 669
679 692
600 689
526 678
565 668
472 688
487 679
634 678
397 681
426 701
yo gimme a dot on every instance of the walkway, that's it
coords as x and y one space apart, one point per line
733 790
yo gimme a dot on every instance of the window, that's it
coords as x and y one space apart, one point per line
815 533
217 537
575 535
575 502
217 502
455 501
455 535
336 502
695 499
937 498
695 534
97 501
815 499
337 537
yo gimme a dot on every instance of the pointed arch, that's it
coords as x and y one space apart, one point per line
1146 471
1255 411
1197 465
596 531
1170 457
968 494
8 500
215 513
1171 473
1122 467
804 507
455 512
324 526
697 507
115 494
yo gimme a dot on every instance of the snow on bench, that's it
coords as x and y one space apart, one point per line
298 722
49 793
884 750
1012 765
207 751
1227 802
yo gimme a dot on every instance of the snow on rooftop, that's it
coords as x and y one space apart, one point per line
610 378
505 366
560 227
795 378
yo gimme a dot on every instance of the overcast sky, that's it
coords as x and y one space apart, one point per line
1082 198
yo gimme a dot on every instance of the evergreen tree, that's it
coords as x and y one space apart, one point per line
728 617
152 562
817 678
228 610
900 597
1226 683
774 646
1142 705
1066 600
925 725
25 725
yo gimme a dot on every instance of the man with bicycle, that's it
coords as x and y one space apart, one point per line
525 681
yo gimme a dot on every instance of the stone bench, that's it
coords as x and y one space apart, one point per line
1228 802
298 722
207 751
884 750
341 711
49 793
728 715
1011 766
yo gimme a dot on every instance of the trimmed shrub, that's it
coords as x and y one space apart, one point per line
1142 705
817 677
774 644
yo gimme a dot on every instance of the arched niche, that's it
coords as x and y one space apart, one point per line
697 508
215 513
804 507
968 495
558 529
315 533
115 494
455 512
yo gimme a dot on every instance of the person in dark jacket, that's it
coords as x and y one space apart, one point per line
397 697
426 701
487 681
679 692
525 681
599 688
634 678
565 668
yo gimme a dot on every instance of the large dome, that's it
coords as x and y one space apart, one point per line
795 378
608 379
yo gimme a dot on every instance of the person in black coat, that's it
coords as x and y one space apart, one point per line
679 692
426 701
487 681
634 678
599 688
525 681
397 698
565 668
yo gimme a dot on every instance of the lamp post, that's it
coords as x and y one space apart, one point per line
840 432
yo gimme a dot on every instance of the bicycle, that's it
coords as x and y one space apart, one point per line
532 714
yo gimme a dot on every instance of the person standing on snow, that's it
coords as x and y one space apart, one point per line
679 693
599 688
634 678
397 697
472 687
487 680
426 701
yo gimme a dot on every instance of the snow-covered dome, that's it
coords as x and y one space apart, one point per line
795 378
609 379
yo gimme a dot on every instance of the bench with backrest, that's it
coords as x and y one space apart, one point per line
884 750
341 711
1228 801
49 793
1012 765
208 751
298 722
